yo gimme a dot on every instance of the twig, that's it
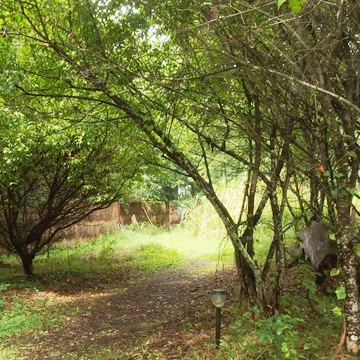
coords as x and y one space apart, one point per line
147 215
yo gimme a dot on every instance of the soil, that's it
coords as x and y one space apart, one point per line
126 314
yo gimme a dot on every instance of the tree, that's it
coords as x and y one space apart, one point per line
104 70
310 61
52 176
241 83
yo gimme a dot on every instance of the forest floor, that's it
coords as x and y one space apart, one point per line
122 314
141 295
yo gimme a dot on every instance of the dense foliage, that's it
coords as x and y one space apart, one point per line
220 90
54 174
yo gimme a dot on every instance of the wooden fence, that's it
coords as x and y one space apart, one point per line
159 214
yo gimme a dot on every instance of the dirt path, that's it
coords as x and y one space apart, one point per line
129 315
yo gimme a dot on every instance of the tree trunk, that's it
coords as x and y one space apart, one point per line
247 280
351 311
346 169
27 262
167 215
273 297
249 274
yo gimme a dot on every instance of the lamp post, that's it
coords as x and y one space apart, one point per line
218 297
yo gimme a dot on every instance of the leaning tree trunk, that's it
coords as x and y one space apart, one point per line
247 280
249 273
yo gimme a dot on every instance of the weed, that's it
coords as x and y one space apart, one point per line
4 286
279 331
19 319
165 257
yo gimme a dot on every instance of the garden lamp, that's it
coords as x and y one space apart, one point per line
218 297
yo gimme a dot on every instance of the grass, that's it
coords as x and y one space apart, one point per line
135 246
59 315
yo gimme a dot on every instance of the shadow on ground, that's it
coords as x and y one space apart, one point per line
126 315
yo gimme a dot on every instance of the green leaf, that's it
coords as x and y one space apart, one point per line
340 293
334 272
279 3
352 191
357 249
284 347
296 5
338 174
337 311
265 338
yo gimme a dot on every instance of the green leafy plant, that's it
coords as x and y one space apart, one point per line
4 286
340 293
279 331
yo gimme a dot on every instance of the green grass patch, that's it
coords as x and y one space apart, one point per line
18 314
143 257
148 248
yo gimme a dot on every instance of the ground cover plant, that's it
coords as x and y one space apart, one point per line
141 293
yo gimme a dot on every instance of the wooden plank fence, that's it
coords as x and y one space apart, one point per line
117 215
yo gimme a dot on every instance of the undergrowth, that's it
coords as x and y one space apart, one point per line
32 310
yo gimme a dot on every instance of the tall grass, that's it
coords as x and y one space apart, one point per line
203 219
201 216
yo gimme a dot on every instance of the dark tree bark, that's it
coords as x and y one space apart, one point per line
27 262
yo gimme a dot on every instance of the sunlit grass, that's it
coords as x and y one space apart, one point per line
148 248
